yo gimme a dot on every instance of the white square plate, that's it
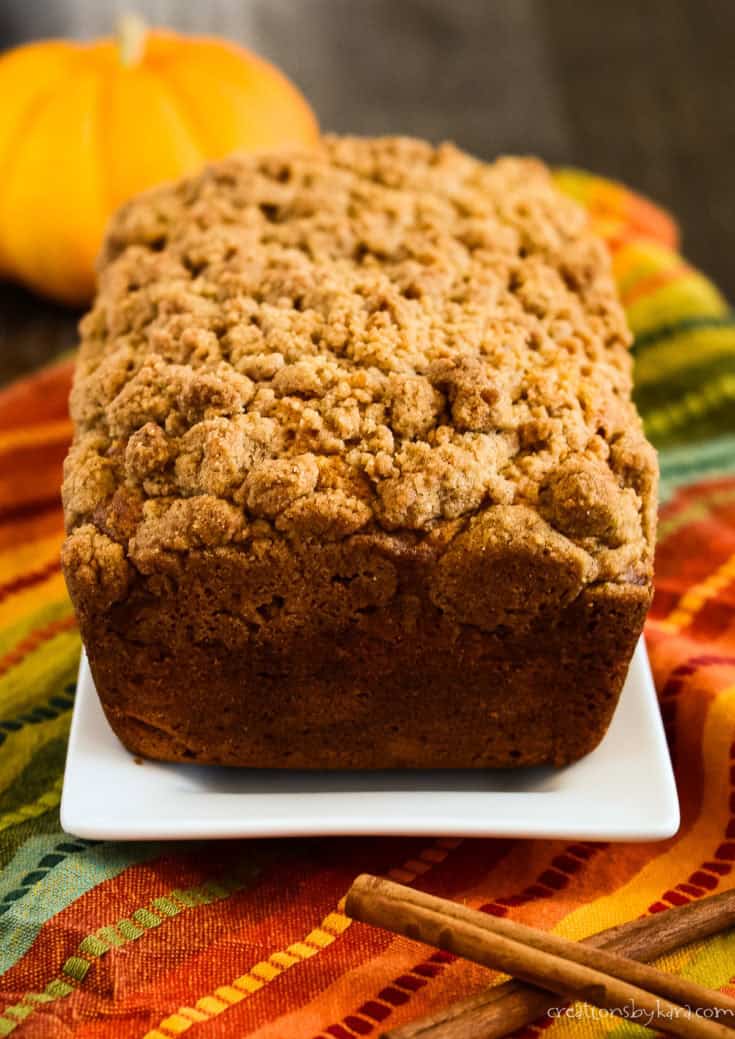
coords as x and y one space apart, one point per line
623 790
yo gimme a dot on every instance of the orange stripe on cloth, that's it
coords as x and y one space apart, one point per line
52 432
27 580
650 284
35 521
39 398
690 677
31 642
28 557
686 692
554 878
395 993
331 927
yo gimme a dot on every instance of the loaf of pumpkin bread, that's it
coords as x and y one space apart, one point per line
356 479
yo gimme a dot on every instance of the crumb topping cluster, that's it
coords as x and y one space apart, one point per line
379 334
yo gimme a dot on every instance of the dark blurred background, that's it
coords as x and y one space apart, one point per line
639 90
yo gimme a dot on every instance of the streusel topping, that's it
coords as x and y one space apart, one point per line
377 334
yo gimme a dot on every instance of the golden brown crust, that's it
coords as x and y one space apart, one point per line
419 331
379 347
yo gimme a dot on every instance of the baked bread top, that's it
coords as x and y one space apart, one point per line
380 335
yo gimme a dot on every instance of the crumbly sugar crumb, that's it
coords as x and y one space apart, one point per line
377 335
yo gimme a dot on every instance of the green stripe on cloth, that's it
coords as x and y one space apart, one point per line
684 465
22 748
33 861
62 886
699 414
22 734
713 962
646 339
693 375
710 966
46 766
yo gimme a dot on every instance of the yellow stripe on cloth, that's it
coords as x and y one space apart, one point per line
29 557
20 747
37 663
696 597
17 632
48 800
685 855
683 348
225 996
688 294
51 590
319 938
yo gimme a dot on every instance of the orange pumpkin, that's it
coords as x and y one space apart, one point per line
83 127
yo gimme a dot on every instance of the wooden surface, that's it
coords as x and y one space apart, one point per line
640 91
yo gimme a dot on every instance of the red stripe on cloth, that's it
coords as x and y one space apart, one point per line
31 642
549 881
28 580
41 397
29 510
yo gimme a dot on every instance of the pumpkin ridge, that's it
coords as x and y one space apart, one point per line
31 257
26 119
21 132
167 65
178 103
100 133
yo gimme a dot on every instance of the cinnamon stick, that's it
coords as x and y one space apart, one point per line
502 1009
593 975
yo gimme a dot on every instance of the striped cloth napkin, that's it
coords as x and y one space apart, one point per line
152 941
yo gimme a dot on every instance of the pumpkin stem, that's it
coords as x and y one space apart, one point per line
131 38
